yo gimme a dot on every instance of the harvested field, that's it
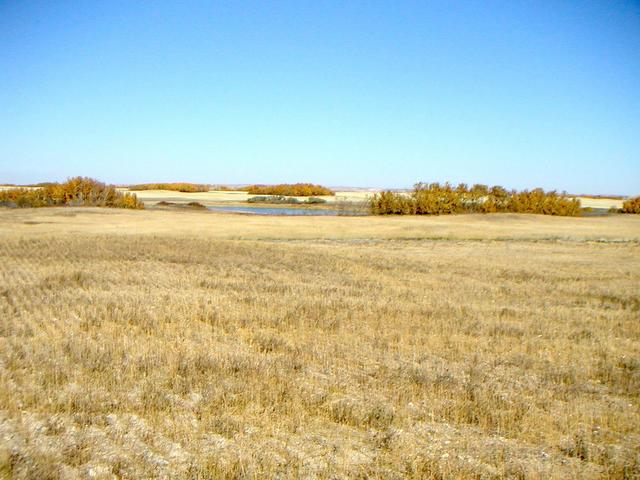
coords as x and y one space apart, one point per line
178 344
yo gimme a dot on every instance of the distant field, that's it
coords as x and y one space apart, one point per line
196 345
214 197
600 202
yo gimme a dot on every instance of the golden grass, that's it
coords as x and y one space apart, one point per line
231 226
197 345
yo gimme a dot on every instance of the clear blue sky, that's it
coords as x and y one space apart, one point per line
370 93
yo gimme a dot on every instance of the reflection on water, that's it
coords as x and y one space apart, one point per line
283 211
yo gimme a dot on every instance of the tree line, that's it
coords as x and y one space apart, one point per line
77 191
437 199
289 190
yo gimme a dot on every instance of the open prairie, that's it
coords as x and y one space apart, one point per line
164 344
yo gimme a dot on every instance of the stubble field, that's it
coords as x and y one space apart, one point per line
151 344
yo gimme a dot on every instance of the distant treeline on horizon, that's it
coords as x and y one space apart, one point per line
424 199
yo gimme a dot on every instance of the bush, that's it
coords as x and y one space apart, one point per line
546 203
281 199
273 199
176 187
436 199
390 203
196 206
631 205
291 190
190 205
75 191
315 200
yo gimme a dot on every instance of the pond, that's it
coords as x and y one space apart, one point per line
596 212
283 211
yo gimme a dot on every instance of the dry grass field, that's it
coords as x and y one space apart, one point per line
589 202
163 344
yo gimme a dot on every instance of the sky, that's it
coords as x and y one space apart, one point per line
346 93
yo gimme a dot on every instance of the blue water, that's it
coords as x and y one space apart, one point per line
280 211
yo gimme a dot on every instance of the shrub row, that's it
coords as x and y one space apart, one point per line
632 205
78 191
436 199
291 190
286 200
176 187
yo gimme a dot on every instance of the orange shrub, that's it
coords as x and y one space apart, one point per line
289 190
436 199
631 205
78 191
391 203
547 203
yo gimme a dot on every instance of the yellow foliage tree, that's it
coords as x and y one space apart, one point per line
290 190
436 199
78 191
631 205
